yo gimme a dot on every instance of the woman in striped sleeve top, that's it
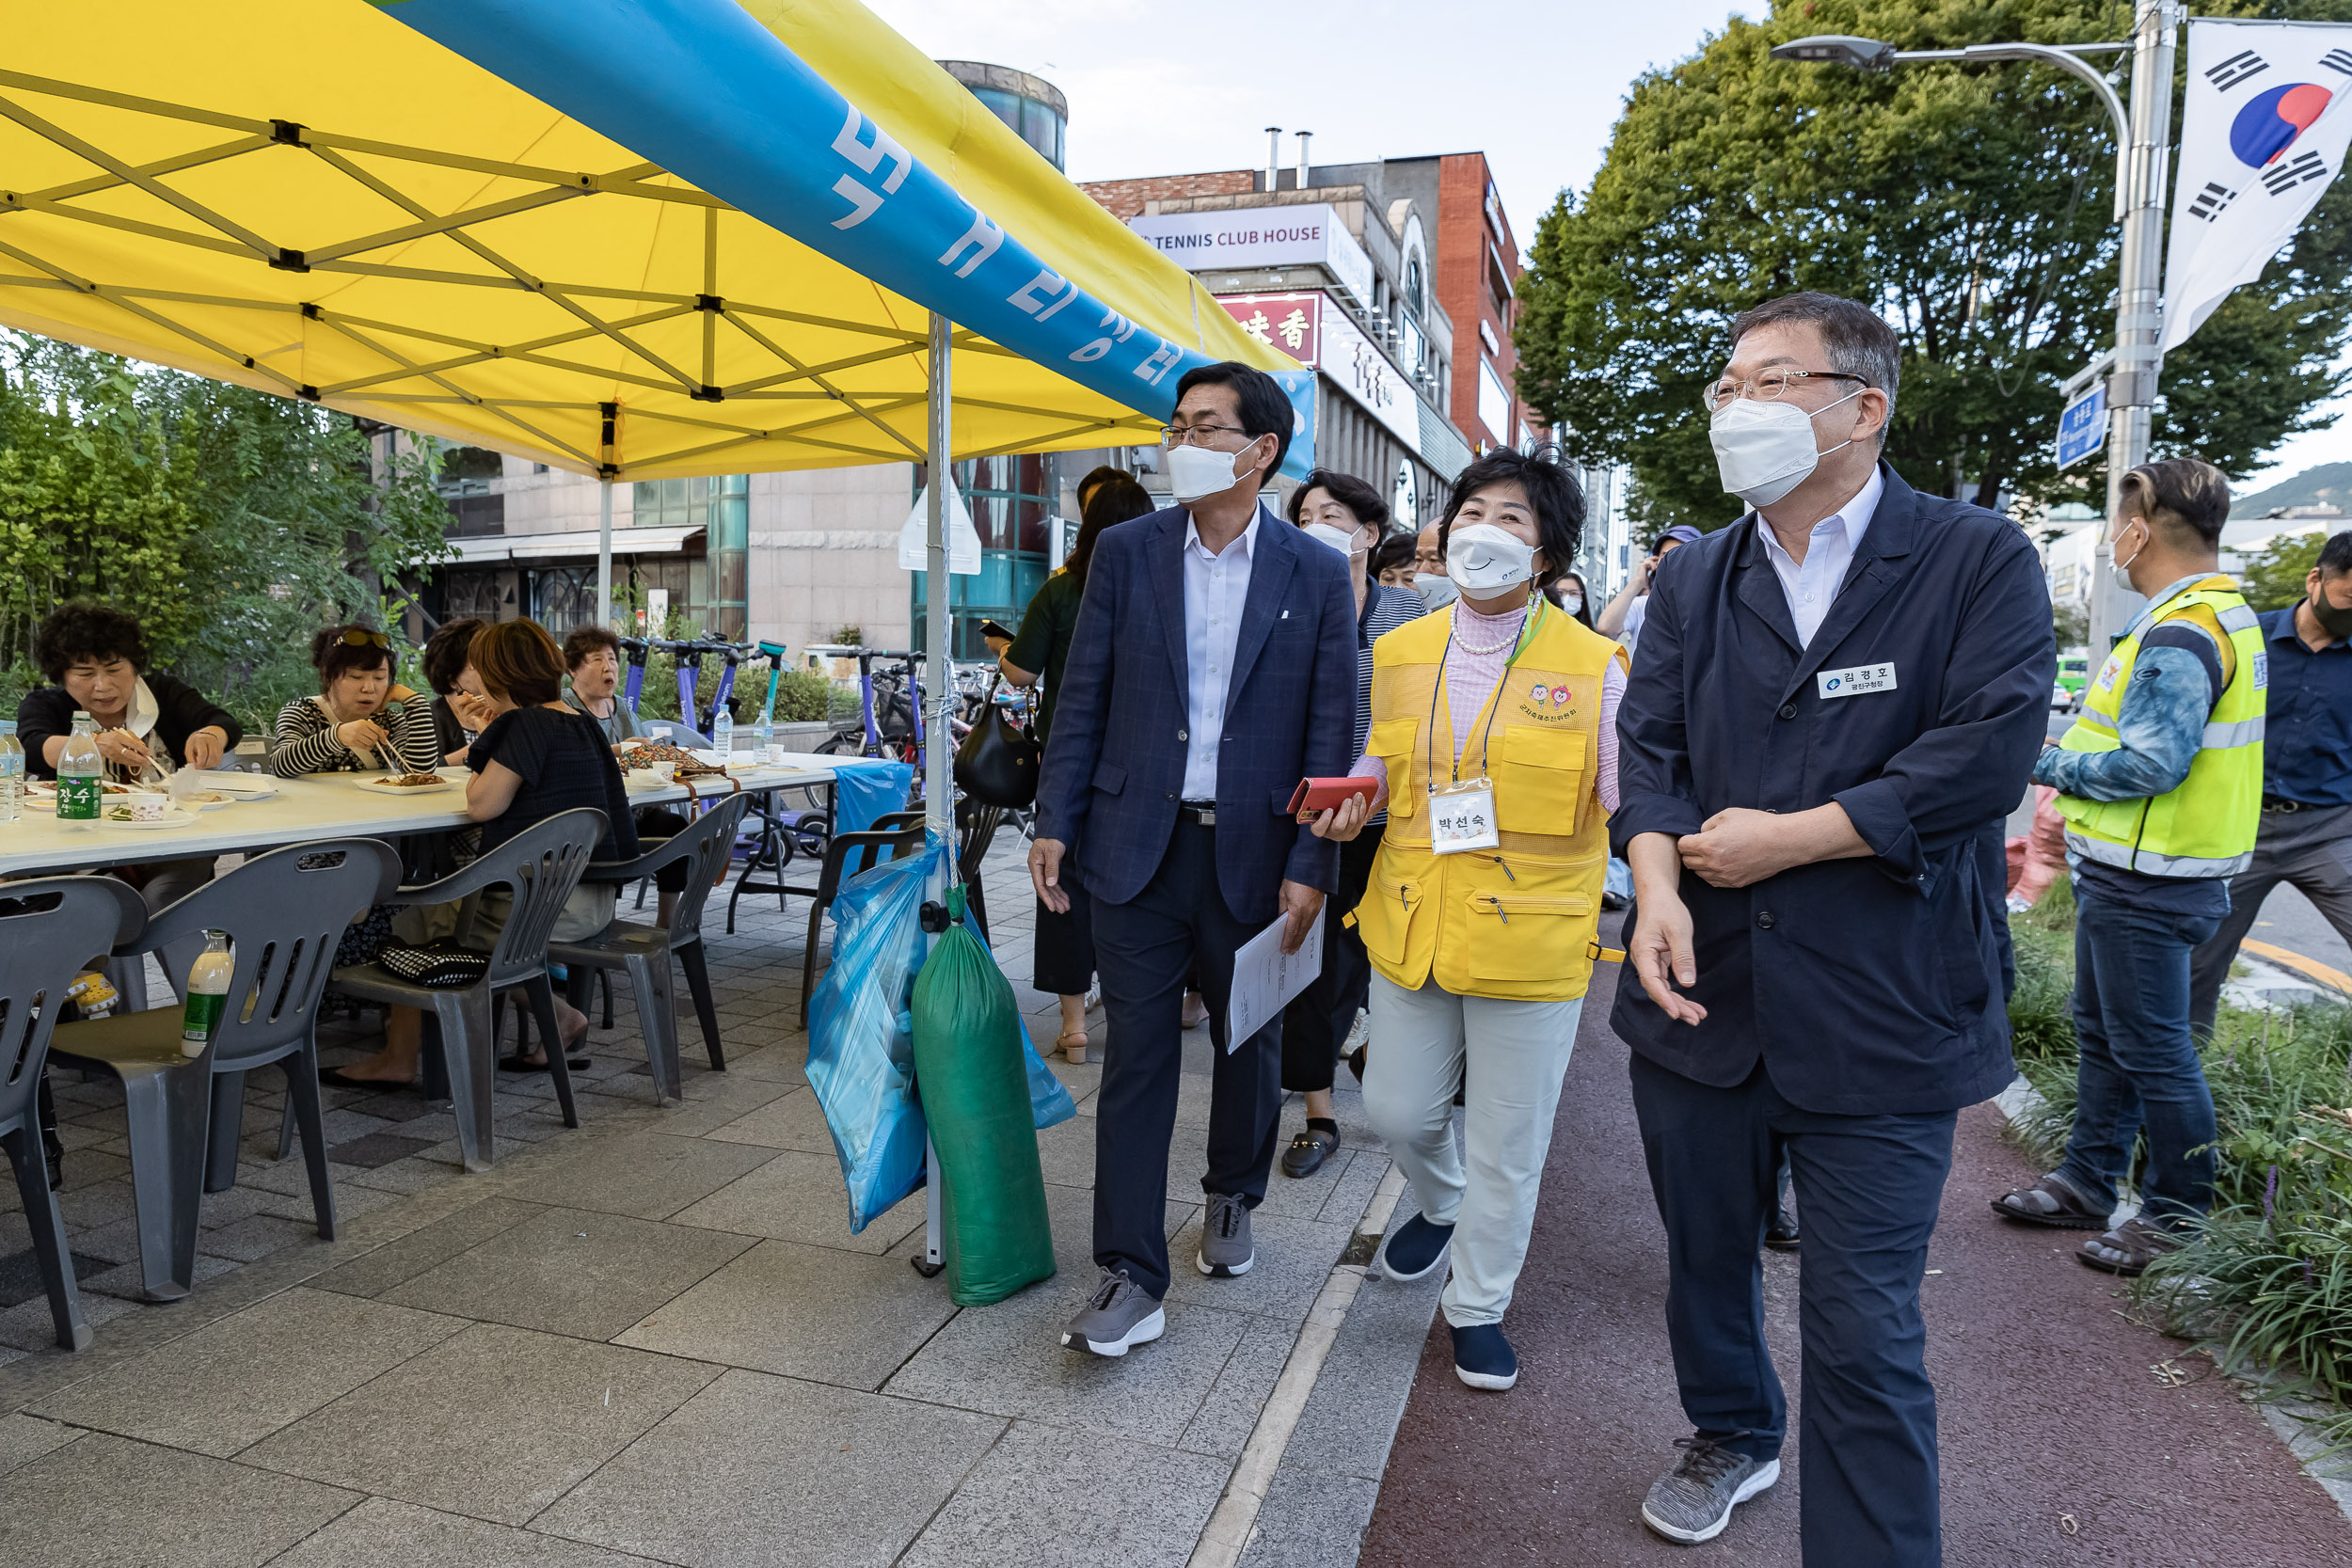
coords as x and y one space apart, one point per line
361 717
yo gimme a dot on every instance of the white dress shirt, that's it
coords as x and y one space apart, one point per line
1812 584
1216 588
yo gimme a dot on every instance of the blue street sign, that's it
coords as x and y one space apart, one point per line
2083 425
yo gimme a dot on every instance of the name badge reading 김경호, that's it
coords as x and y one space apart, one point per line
1855 682
1462 817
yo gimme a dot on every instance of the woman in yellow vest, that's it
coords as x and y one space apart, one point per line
1492 733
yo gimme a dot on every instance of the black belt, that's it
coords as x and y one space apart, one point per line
2281 804
1201 812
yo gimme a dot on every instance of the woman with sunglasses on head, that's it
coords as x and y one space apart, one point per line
362 719
1492 731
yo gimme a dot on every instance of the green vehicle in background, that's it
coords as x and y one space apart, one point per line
2074 675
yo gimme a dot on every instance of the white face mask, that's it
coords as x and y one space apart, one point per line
1572 603
1436 590
1196 473
1485 560
2121 567
1765 450
1338 539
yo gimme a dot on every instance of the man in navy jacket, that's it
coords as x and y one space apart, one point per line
1212 667
1838 702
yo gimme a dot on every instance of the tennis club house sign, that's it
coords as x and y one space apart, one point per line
1242 239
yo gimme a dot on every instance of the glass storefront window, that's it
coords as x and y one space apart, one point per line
1009 498
713 592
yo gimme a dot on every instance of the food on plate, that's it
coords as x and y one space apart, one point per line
409 780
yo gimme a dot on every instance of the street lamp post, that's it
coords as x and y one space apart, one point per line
2143 134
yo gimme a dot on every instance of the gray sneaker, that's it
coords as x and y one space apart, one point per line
1225 1246
1118 1316
1693 1502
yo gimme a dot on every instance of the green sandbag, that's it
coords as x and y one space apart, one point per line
975 1089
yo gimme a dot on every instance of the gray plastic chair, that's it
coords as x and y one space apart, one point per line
645 951
49 930
284 912
541 865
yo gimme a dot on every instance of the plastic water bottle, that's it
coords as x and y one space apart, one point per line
722 733
208 993
763 736
11 772
79 771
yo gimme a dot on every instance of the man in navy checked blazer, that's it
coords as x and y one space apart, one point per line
1214 666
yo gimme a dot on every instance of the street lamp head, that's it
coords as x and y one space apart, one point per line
1838 49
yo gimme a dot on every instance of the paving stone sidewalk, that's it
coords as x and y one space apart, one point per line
652 1338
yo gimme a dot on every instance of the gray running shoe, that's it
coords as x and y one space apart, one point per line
1693 1502
1118 1316
1225 1246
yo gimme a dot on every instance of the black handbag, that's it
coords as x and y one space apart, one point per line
442 965
997 762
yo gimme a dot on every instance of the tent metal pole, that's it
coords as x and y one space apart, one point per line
939 748
604 554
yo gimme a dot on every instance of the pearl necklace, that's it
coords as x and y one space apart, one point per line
1470 647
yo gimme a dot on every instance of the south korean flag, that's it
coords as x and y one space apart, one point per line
2268 112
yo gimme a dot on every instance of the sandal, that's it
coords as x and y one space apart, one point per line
1071 1043
2053 1201
2129 1248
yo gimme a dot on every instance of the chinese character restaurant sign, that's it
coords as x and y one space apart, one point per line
1286 321
2262 133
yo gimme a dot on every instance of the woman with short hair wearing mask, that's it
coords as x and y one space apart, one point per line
1348 515
1493 735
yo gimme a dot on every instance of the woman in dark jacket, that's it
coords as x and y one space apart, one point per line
1065 942
96 657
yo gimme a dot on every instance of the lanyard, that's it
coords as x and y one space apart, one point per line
1527 629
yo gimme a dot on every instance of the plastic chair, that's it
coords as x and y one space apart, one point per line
884 845
49 930
284 912
645 951
542 865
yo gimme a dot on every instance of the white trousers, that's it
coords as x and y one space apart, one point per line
1515 1053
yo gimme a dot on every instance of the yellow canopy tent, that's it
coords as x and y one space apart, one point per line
636 239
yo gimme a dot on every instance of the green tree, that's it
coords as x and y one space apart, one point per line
233 523
2273 576
1971 205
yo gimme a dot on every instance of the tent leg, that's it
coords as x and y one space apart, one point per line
938 790
604 555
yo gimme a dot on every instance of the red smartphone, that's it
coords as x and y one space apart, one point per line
1316 795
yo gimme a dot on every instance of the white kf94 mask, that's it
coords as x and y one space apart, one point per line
1765 450
1195 472
1485 560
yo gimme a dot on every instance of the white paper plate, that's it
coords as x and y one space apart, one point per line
244 787
226 800
172 817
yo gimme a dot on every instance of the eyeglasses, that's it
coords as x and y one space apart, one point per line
1177 436
354 637
1771 386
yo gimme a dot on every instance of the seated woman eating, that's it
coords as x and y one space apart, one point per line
95 656
537 758
362 719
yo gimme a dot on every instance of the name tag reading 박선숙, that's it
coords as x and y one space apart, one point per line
1856 681
1462 817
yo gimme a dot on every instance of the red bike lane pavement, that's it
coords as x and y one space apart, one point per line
2062 1442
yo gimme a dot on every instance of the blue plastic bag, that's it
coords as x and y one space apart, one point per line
865 788
861 1034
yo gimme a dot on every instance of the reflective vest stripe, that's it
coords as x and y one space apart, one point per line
2245 732
2237 618
2148 860
2095 720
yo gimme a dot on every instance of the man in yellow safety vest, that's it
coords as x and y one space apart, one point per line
2160 782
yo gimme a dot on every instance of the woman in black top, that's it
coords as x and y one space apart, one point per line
1064 949
96 657
535 759
444 661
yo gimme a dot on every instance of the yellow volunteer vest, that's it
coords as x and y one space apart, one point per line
1514 922
2207 827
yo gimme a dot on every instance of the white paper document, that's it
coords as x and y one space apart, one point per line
1266 977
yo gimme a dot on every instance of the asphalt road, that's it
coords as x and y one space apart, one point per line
2062 1442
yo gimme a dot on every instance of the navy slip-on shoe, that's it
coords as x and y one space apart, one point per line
1484 1358
1417 1247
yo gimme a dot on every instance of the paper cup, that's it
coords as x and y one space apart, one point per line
147 805
665 771
777 753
